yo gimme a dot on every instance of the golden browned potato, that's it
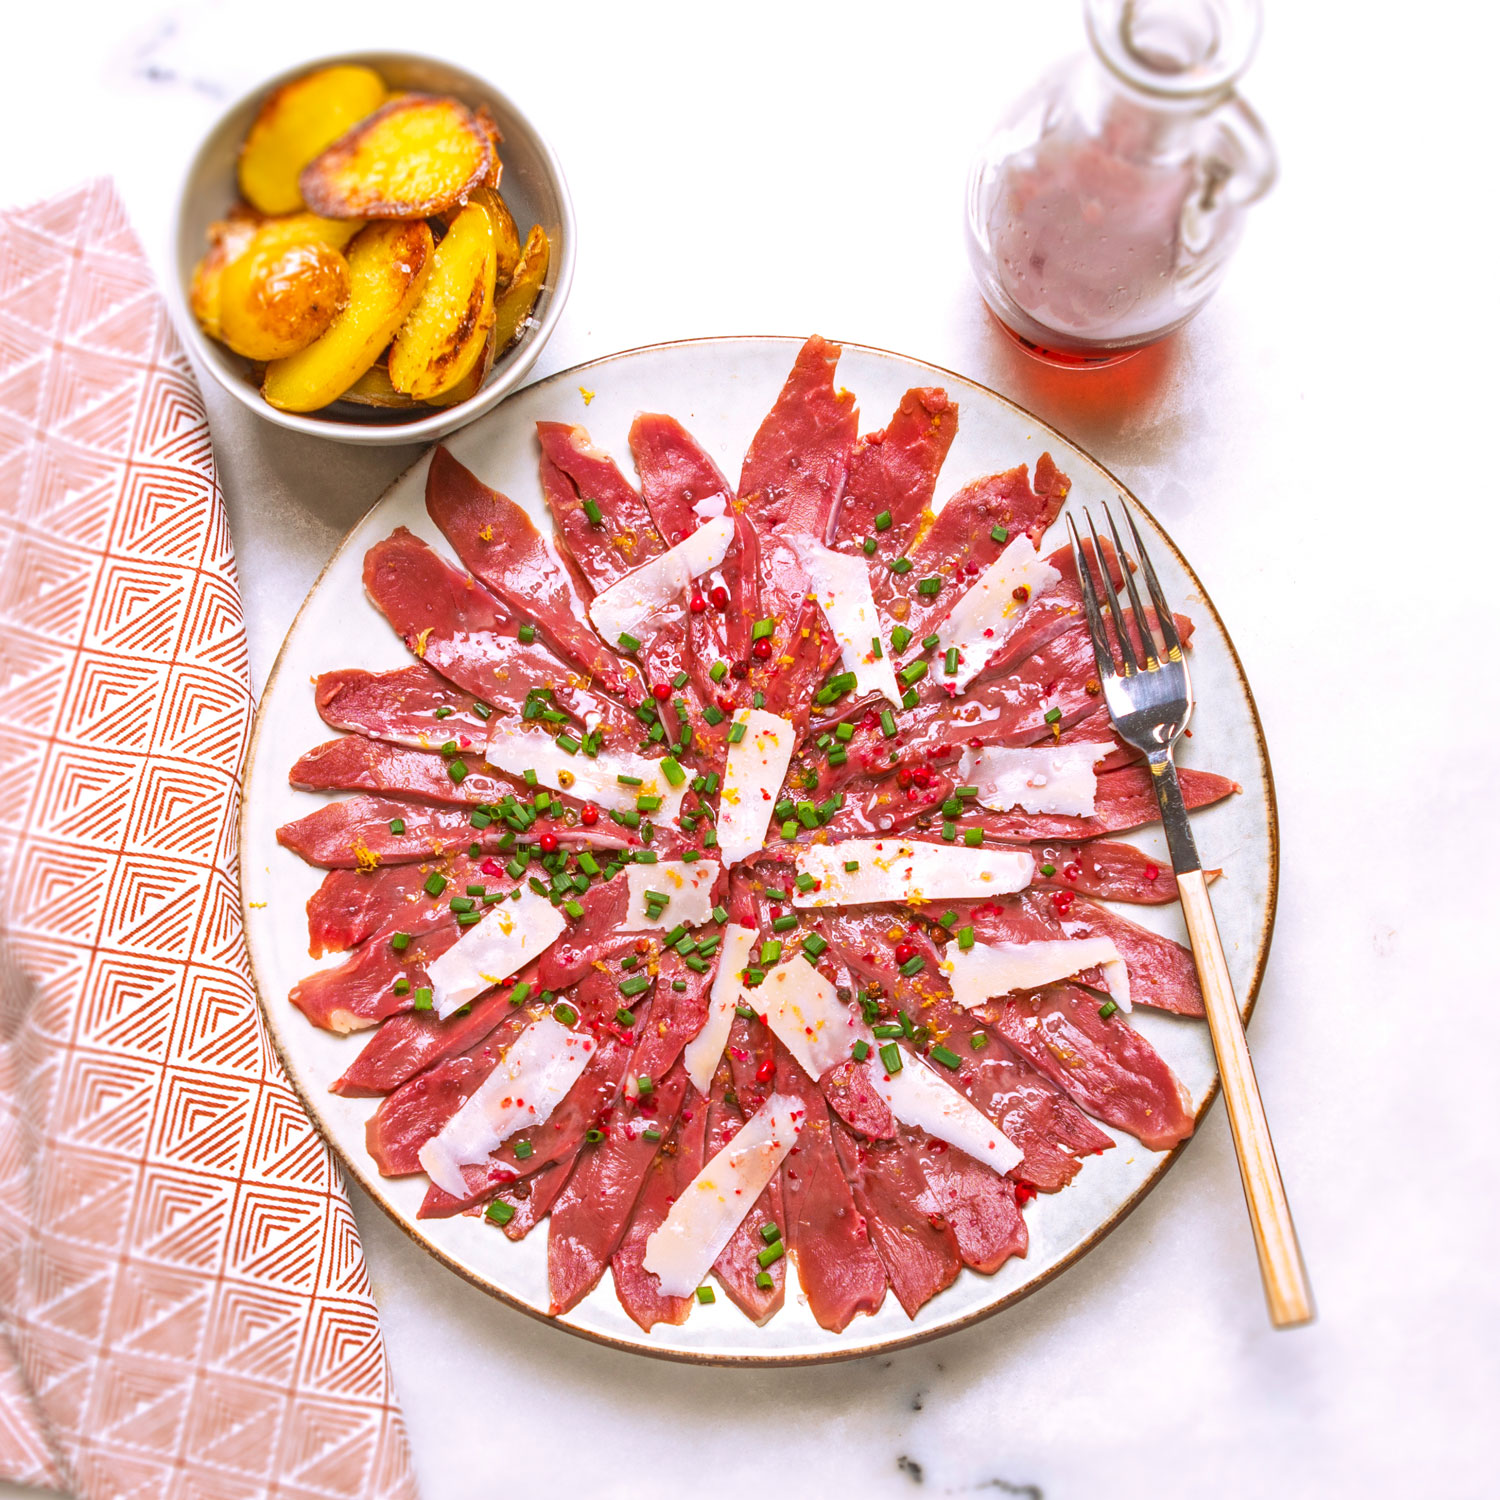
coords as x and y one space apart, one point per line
415 157
227 240
388 266
295 124
284 289
514 306
473 380
444 335
507 240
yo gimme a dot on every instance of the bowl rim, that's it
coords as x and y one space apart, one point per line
508 373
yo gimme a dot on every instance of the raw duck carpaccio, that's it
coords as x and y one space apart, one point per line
720 881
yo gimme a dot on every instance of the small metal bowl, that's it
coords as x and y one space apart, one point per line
533 187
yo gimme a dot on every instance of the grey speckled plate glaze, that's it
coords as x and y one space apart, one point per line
721 389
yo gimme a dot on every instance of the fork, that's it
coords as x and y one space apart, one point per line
1150 700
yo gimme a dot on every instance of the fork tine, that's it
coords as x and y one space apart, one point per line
1164 621
1148 641
1127 650
1102 658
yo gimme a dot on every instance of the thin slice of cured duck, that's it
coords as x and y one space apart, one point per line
981 1209
360 992
575 472
465 633
352 763
916 1245
405 1044
1105 868
412 706
499 545
678 1162
585 1106
680 484
590 1216
1108 1068
351 906
1124 800
961 542
840 1270
895 472
355 833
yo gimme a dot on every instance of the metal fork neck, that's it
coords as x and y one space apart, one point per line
1174 817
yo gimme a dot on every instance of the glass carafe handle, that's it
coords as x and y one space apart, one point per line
1236 168
1245 147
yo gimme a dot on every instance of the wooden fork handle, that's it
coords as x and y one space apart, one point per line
1288 1296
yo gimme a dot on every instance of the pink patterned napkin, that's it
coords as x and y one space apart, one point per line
185 1305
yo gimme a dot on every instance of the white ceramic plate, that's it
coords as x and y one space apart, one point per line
720 389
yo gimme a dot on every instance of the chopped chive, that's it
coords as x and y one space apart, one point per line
704 1294
914 672
720 914
901 565
844 732
399 940
680 681
592 511
737 731
930 585
712 714
764 1280
398 825
422 1000
445 712
883 521
789 829
762 629
950 661
672 771
594 1136
950 831
771 1254
500 1213
814 944
770 950
461 903
805 882
758 700
644 856
529 777
837 757
628 642
651 1133
965 936
402 986
1052 715
888 1030
435 884
951 807
973 837
624 1017
776 893
869 546
890 1058
908 700
807 814
483 710
947 1058
521 993
977 1041
644 1086
647 802
900 639
524 1150
527 635
784 923
574 909
719 671
860 1050
635 984
754 976
1107 1009
744 1012
480 819
565 1013
888 723
770 1233
457 770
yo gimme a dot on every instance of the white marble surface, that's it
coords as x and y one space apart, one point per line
1317 443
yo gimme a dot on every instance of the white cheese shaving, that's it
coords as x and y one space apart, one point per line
1039 779
590 778
687 887
706 1214
753 773
979 623
701 1055
892 869
842 586
989 970
508 937
919 1098
805 1012
521 1091
711 505
626 605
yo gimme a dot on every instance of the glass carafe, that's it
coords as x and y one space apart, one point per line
1104 208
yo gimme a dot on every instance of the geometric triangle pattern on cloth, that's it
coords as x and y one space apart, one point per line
184 1309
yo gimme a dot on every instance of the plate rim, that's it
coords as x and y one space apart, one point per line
886 1345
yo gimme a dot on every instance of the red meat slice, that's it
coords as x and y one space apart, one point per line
532 1197
591 1214
574 471
1107 869
411 706
1107 1067
979 1207
679 1161
915 1243
359 992
896 470
499 545
462 631
352 763
1124 800
351 906
839 1269
960 543
798 463
738 1267
406 1044
676 474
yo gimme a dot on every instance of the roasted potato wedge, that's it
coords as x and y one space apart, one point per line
286 286
228 239
417 156
507 239
514 306
445 333
295 124
388 267
473 380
